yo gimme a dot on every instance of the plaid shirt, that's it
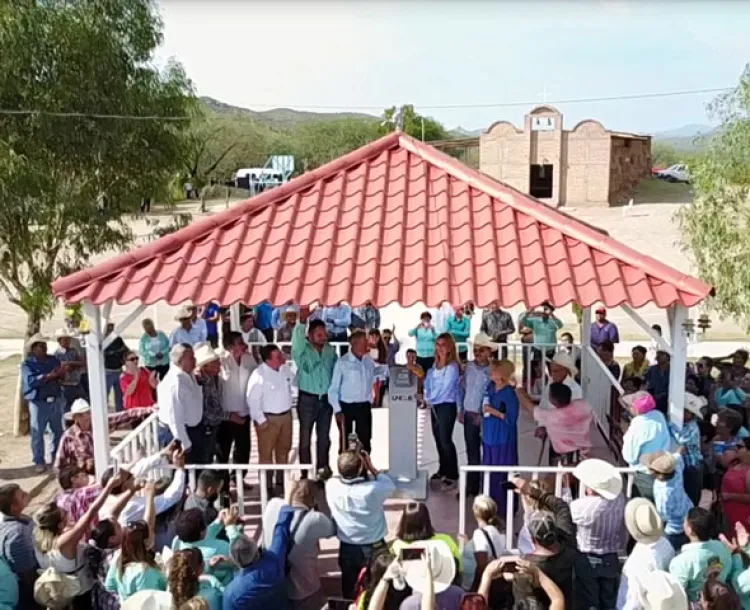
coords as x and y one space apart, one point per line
213 413
690 438
600 524
77 446
77 501
671 501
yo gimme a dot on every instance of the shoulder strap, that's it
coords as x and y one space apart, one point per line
489 541
293 531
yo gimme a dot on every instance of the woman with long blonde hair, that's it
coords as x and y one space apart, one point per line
441 394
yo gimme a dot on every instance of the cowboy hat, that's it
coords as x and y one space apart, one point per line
483 340
643 521
79 407
63 333
566 361
694 404
184 313
442 566
35 338
661 462
661 591
599 476
204 354
149 600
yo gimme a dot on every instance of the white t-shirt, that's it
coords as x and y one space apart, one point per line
481 545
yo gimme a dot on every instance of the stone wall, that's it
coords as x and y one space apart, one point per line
630 163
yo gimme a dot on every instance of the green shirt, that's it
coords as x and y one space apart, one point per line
545 332
696 561
314 368
211 546
136 577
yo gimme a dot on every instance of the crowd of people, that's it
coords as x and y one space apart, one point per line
122 541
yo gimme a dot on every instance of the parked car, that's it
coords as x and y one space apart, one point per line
676 173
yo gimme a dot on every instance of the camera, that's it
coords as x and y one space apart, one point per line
353 443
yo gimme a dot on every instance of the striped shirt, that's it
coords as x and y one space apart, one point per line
17 544
671 501
600 524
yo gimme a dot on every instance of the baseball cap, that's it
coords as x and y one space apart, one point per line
542 528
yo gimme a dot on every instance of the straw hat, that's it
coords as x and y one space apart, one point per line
599 476
694 404
184 313
565 360
643 522
204 354
662 591
483 340
661 462
35 338
79 407
442 564
63 333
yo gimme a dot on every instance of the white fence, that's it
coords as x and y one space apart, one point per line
536 472
598 388
145 440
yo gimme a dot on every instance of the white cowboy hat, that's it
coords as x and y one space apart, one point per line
694 404
565 360
35 338
442 565
204 354
183 313
62 333
149 600
661 591
599 476
643 522
79 407
484 340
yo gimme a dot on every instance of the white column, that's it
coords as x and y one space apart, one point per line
97 388
585 341
677 366
234 317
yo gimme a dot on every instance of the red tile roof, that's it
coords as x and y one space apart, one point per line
397 221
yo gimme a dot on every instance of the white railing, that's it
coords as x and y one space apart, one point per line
522 471
145 440
599 385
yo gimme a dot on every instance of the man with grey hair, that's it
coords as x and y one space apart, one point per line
180 402
262 577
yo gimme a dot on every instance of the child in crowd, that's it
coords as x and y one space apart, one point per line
416 370
672 503
689 437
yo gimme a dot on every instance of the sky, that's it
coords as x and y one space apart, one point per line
365 55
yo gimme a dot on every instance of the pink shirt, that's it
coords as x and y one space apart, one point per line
568 428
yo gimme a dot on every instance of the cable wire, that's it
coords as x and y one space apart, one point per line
582 100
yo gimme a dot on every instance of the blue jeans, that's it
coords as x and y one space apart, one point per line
597 578
41 415
113 381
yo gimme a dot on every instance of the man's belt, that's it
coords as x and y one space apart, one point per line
277 414
320 397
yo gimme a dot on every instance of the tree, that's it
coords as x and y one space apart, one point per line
314 143
414 124
715 227
67 179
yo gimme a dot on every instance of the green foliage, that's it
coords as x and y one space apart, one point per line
67 183
716 226
179 221
414 124
317 142
663 155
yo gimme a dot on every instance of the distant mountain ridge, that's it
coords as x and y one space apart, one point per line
280 117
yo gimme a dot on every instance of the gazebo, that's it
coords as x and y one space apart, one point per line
394 221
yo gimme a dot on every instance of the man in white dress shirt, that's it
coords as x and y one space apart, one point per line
350 392
236 367
269 397
180 401
186 333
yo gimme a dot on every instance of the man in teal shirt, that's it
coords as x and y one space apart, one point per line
544 324
459 326
315 359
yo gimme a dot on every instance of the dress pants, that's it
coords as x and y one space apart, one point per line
237 436
443 421
314 411
275 443
358 418
473 440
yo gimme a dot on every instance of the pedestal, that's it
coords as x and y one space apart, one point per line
402 427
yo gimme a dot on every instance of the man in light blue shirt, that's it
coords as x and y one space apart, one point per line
351 389
356 501
544 325
337 319
470 397
186 333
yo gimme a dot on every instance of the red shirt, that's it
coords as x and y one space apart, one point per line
143 395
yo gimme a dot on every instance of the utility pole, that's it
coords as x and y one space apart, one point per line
422 129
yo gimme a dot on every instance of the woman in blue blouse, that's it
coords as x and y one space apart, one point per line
441 393
500 431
